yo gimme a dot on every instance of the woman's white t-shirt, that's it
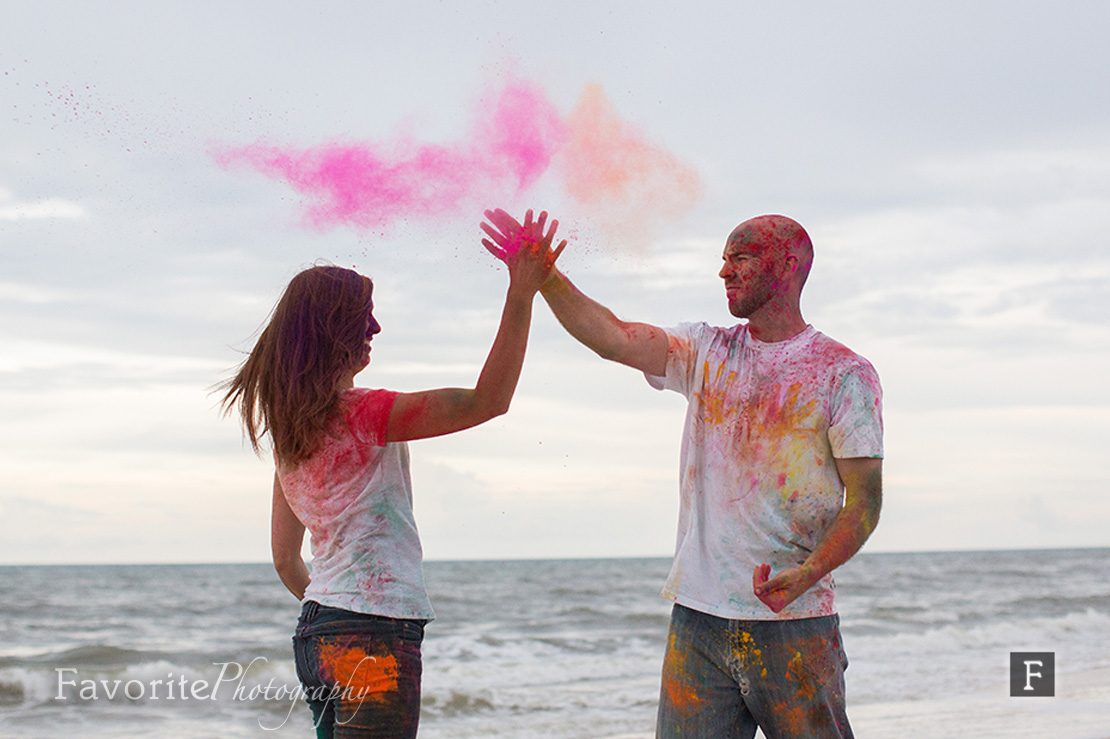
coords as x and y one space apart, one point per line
354 495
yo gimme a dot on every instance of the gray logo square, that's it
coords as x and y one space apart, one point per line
1032 674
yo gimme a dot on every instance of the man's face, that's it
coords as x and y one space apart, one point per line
748 272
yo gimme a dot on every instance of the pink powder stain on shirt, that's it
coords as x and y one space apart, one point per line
621 179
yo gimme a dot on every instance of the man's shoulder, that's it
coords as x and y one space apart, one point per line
836 351
700 333
704 330
831 347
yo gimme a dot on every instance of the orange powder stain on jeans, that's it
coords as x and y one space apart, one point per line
676 682
363 675
799 716
681 695
799 674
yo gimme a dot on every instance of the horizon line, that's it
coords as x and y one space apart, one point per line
584 558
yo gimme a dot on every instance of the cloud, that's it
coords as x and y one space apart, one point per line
998 242
35 294
959 203
36 356
50 208
1022 174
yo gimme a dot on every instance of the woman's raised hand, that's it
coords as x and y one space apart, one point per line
524 248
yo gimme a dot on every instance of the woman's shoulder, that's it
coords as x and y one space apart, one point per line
354 394
366 411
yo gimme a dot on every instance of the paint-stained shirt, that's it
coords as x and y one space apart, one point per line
354 495
764 425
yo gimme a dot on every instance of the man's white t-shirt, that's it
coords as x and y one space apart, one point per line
764 425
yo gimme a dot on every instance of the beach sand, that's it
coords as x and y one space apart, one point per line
1079 710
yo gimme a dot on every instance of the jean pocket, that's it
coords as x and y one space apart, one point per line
306 663
411 632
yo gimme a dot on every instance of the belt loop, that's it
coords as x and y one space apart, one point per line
311 608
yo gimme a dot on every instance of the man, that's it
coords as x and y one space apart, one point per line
781 482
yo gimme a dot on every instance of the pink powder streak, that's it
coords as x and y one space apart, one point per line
371 185
603 163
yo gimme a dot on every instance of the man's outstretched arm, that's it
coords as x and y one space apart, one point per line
863 499
637 345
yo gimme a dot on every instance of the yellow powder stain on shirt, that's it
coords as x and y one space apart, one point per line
363 675
715 403
782 413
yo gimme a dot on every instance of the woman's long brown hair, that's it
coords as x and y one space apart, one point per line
288 386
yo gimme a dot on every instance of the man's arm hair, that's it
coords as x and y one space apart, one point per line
863 499
637 345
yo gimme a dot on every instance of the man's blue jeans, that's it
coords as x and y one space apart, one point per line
361 673
723 679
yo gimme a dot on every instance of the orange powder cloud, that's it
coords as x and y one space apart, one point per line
627 184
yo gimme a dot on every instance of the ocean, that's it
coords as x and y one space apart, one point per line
546 648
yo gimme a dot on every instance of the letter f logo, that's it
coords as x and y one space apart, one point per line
1032 674
1029 674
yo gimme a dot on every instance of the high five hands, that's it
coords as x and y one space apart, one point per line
522 245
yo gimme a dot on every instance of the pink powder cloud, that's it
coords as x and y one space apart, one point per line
602 162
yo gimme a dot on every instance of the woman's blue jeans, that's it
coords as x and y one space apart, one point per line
361 673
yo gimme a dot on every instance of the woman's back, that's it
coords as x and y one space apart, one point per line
354 495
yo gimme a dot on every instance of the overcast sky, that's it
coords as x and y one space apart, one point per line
951 161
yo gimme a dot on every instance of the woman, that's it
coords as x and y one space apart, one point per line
342 471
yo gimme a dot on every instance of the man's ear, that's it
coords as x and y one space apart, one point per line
792 264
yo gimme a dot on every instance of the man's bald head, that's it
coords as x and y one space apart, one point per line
766 263
777 237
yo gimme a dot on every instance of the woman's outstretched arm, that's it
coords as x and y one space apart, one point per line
446 410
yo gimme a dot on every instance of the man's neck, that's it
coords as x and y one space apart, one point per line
772 326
